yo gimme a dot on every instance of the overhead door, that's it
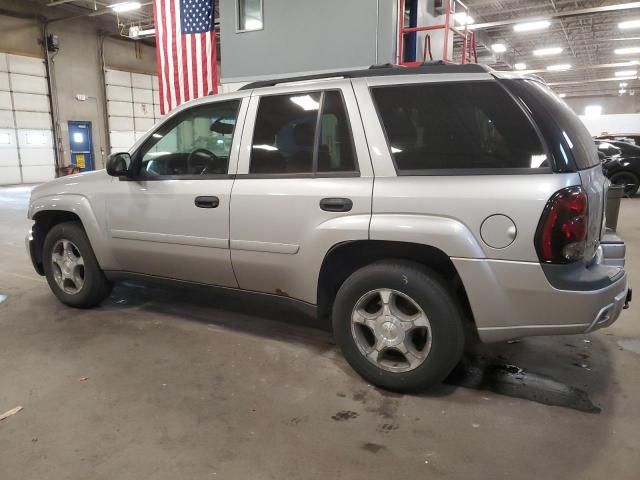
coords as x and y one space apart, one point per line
26 137
132 106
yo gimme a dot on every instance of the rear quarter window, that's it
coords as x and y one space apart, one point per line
454 127
573 147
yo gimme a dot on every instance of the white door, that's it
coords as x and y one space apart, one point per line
304 184
172 220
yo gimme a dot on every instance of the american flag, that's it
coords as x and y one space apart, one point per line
185 50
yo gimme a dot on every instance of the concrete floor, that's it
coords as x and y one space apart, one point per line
181 384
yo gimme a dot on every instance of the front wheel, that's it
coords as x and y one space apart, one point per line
398 325
71 268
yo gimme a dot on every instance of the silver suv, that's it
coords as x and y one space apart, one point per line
417 208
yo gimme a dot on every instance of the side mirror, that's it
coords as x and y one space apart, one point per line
119 164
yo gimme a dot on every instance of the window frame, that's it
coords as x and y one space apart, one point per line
316 139
434 172
244 30
174 121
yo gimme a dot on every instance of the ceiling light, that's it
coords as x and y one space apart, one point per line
463 19
306 102
530 26
593 110
520 66
125 6
622 91
626 73
547 51
626 50
629 24
562 95
623 84
559 68
499 47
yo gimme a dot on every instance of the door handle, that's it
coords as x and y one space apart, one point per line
207 202
336 204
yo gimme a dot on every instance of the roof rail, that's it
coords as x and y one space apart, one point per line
426 68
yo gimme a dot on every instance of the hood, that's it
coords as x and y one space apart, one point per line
78 184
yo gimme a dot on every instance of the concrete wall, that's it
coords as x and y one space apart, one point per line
76 68
307 36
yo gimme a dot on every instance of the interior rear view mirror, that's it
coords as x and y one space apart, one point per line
223 126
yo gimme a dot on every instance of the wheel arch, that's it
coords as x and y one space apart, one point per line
49 211
345 258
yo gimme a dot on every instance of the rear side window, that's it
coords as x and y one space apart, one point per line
302 133
439 128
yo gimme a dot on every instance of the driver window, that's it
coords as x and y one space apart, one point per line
196 142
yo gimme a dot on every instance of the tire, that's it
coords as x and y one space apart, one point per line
418 292
66 247
629 179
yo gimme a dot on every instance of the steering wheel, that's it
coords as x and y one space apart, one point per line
200 152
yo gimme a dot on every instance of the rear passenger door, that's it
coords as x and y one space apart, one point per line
304 184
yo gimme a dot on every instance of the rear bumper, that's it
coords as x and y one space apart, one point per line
515 299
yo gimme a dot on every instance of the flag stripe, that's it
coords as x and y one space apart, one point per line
205 70
177 48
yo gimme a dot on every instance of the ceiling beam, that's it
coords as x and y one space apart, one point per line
596 80
563 14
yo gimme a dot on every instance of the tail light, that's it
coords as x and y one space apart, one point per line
562 232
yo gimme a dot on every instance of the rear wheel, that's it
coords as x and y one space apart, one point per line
71 268
398 325
629 180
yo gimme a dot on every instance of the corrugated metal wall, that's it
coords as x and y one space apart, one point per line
26 137
132 105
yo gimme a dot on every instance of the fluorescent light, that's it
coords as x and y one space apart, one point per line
306 102
593 110
629 24
520 66
137 32
125 6
530 26
559 68
547 51
499 47
562 95
623 84
463 19
626 50
621 91
626 73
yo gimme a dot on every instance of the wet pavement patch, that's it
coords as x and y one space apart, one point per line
629 344
510 380
344 415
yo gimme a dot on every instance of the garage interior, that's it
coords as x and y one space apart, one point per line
176 381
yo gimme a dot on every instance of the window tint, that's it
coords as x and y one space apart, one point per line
561 127
335 151
285 139
455 125
196 142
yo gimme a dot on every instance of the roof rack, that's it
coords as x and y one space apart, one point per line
426 68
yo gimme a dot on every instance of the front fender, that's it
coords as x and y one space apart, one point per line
446 234
80 206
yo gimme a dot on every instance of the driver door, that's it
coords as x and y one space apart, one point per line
172 219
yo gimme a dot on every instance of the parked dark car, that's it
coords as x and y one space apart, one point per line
621 164
632 138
